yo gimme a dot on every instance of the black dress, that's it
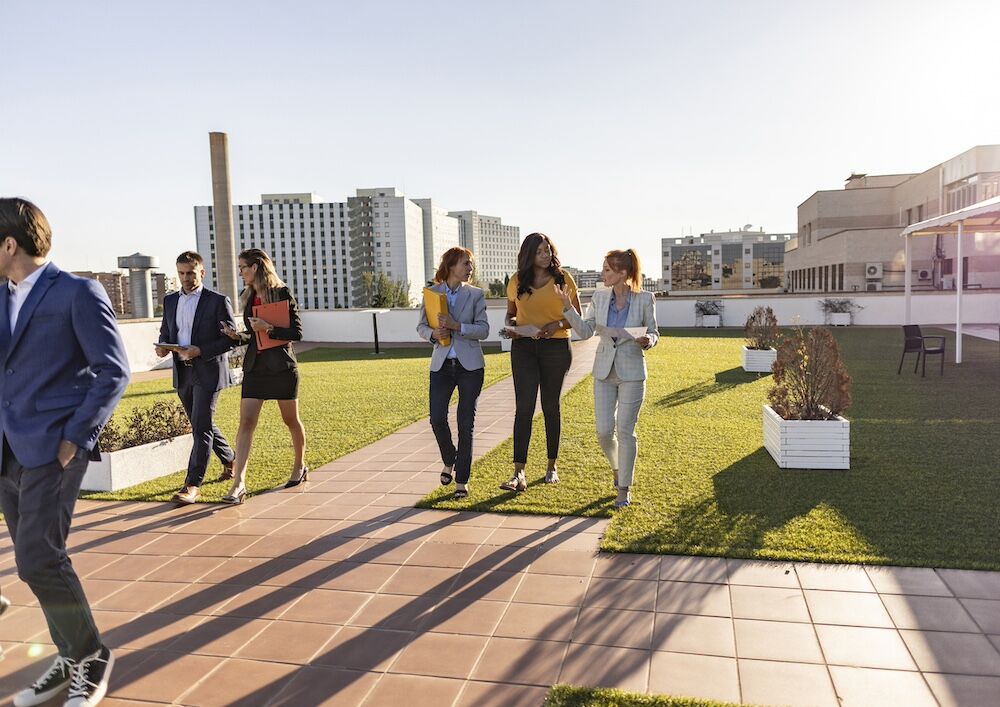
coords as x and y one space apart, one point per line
272 374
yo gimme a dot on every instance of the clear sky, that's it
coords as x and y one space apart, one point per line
603 124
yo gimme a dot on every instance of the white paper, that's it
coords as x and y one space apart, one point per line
621 333
528 330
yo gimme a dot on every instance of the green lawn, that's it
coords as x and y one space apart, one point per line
571 696
923 490
348 399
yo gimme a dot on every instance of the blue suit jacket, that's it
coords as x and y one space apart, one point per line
211 369
64 367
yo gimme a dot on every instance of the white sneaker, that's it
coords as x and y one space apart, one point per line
51 683
90 679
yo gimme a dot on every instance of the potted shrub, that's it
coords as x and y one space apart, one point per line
803 425
709 312
761 331
839 312
148 443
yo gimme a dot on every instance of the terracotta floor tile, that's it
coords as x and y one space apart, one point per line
413 691
131 567
355 577
847 608
907 580
386 552
393 611
141 596
367 649
689 675
928 613
683 633
23 624
98 589
985 612
326 606
325 687
762 574
972 584
461 534
962 653
551 589
488 694
572 563
777 640
963 690
244 682
682 568
184 569
778 683
22 665
864 647
164 677
693 598
507 558
305 574
223 546
606 666
859 687
770 603
440 655
278 546
538 621
86 563
288 642
613 627
421 581
495 586
261 602
442 555
526 662
147 631
617 593
452 615
517 537
530 522
844 578
200 598
218 635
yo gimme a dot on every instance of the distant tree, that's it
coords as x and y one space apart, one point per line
497 289
383 292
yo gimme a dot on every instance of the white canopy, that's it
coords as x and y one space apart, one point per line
983 217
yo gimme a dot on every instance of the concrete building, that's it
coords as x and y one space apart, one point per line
116 285
441 232
849 239
308 240
386 235
494 244
163 284
728 260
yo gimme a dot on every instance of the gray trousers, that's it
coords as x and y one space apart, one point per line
616 411
38 508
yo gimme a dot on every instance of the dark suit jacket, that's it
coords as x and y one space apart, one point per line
211 369
280 358
64 367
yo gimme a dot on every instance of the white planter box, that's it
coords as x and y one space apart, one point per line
128 467
759 361
840 318
711 320
236 375
807 444
505 344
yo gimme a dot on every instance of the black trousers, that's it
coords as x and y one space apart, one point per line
538 364
443 383
199 404
38 509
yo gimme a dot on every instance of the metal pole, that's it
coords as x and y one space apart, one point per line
375 329
907 280
959 279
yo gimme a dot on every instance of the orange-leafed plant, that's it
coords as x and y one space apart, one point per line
761 329
810 379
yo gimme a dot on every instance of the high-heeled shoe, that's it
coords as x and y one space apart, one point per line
235 499
304 476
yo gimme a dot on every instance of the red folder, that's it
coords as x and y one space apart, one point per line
276 314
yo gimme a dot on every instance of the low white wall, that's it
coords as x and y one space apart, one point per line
342 326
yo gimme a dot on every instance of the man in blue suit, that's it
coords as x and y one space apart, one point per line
193 318
64 370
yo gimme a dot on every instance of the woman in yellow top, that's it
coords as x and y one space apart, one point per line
540 356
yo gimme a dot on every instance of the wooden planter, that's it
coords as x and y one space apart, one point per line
807 444
759 360
128 467
840 319
711 320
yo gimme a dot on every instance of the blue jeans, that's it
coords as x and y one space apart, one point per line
443 383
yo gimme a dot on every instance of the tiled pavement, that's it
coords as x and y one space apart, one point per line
342 594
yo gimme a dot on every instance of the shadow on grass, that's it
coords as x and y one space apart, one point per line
724 380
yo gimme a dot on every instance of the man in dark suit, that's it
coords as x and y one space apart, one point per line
64 370
193 318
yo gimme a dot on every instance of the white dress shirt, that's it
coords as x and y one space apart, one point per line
187 304
19 293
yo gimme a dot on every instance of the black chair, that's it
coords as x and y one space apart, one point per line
916 342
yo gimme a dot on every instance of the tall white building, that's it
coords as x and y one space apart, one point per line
441 232
386 235
306 238
494 244
731 260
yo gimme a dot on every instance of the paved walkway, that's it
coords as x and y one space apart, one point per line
342 594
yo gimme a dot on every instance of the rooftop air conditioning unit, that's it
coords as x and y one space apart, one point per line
873 271
924 274
873 287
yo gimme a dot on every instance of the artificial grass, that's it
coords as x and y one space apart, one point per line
923 490
572 696
348 399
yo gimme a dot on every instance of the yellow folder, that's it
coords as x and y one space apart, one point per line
435 303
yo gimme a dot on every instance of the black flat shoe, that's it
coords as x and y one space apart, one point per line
304 476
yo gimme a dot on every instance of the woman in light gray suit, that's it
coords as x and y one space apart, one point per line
459 365
619 366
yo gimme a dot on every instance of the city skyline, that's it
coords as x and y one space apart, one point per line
599 126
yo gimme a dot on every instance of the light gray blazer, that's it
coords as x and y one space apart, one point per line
470 310
626 356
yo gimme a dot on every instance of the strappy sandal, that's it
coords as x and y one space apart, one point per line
462 491
515 483
446 478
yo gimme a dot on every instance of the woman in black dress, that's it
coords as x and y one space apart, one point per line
271 374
